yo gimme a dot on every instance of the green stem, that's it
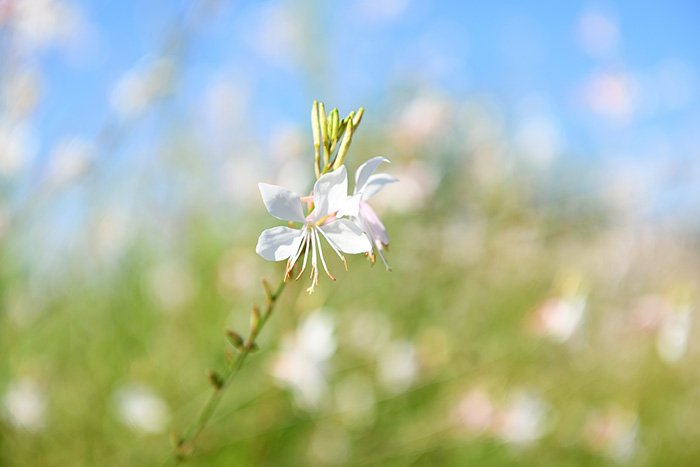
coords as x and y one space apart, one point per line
186 444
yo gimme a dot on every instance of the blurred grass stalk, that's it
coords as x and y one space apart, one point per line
186 444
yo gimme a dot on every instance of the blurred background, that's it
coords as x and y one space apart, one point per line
544 236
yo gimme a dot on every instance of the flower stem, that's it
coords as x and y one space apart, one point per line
186 443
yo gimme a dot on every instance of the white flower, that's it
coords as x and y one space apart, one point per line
280 243
25 404
367 184
303 358
139 408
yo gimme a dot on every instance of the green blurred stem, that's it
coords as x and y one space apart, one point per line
186 444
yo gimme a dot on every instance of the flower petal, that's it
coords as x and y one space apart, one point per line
365 170
350 207
346 236
375 183
330 192
278 243
282 203
373 225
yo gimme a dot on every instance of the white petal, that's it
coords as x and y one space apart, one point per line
278 243
330 192
282 203
365 170
375 183
350 207
347 237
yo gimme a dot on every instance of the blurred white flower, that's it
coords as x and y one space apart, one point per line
279 243
69 160
559 317
521 420
40 23
668 323
672 337
25 404
110 233
421 121
139 408
612 432
397 366
140 87
17 147
538 139
21 93
612 95
301 362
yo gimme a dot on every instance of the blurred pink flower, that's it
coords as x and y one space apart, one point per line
475 410
612 432
559 317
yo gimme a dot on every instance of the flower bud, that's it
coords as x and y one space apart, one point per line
254 318
235 339
315 124
324 133
358 117
215 379
344 146
333 125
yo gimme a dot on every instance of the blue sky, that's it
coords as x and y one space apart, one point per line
525 56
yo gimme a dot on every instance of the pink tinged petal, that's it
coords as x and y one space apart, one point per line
372 223
279 243
282 203
365 170
351 206
345 236
330 192
375 183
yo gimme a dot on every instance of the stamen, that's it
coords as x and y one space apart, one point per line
320 250
376 246
306 254
314 266
293 259
342 258
381 255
